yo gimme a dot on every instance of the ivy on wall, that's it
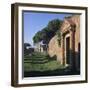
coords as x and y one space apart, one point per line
58 33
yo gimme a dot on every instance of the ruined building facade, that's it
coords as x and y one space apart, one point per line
69 51
40 47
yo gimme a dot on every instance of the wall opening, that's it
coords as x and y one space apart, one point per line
78 55
68 50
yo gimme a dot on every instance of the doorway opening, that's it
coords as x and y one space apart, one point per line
78 55
68 50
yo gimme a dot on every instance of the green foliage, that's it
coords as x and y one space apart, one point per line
40 62
54 25
58 33
39 57
37 37
52 65
48 32
38 65
25 48
26 45
51 58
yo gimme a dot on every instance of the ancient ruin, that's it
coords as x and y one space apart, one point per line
40 47
68 53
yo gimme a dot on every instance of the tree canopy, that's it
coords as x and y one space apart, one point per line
26 45
48 32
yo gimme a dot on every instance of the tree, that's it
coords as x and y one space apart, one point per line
54 25
48 32
37 37
26 45
25 48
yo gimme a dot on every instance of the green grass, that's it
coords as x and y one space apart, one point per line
40 62
52 65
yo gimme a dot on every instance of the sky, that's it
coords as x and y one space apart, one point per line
36 21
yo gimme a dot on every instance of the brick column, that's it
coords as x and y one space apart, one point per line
63 51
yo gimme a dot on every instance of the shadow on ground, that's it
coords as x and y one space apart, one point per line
57 72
